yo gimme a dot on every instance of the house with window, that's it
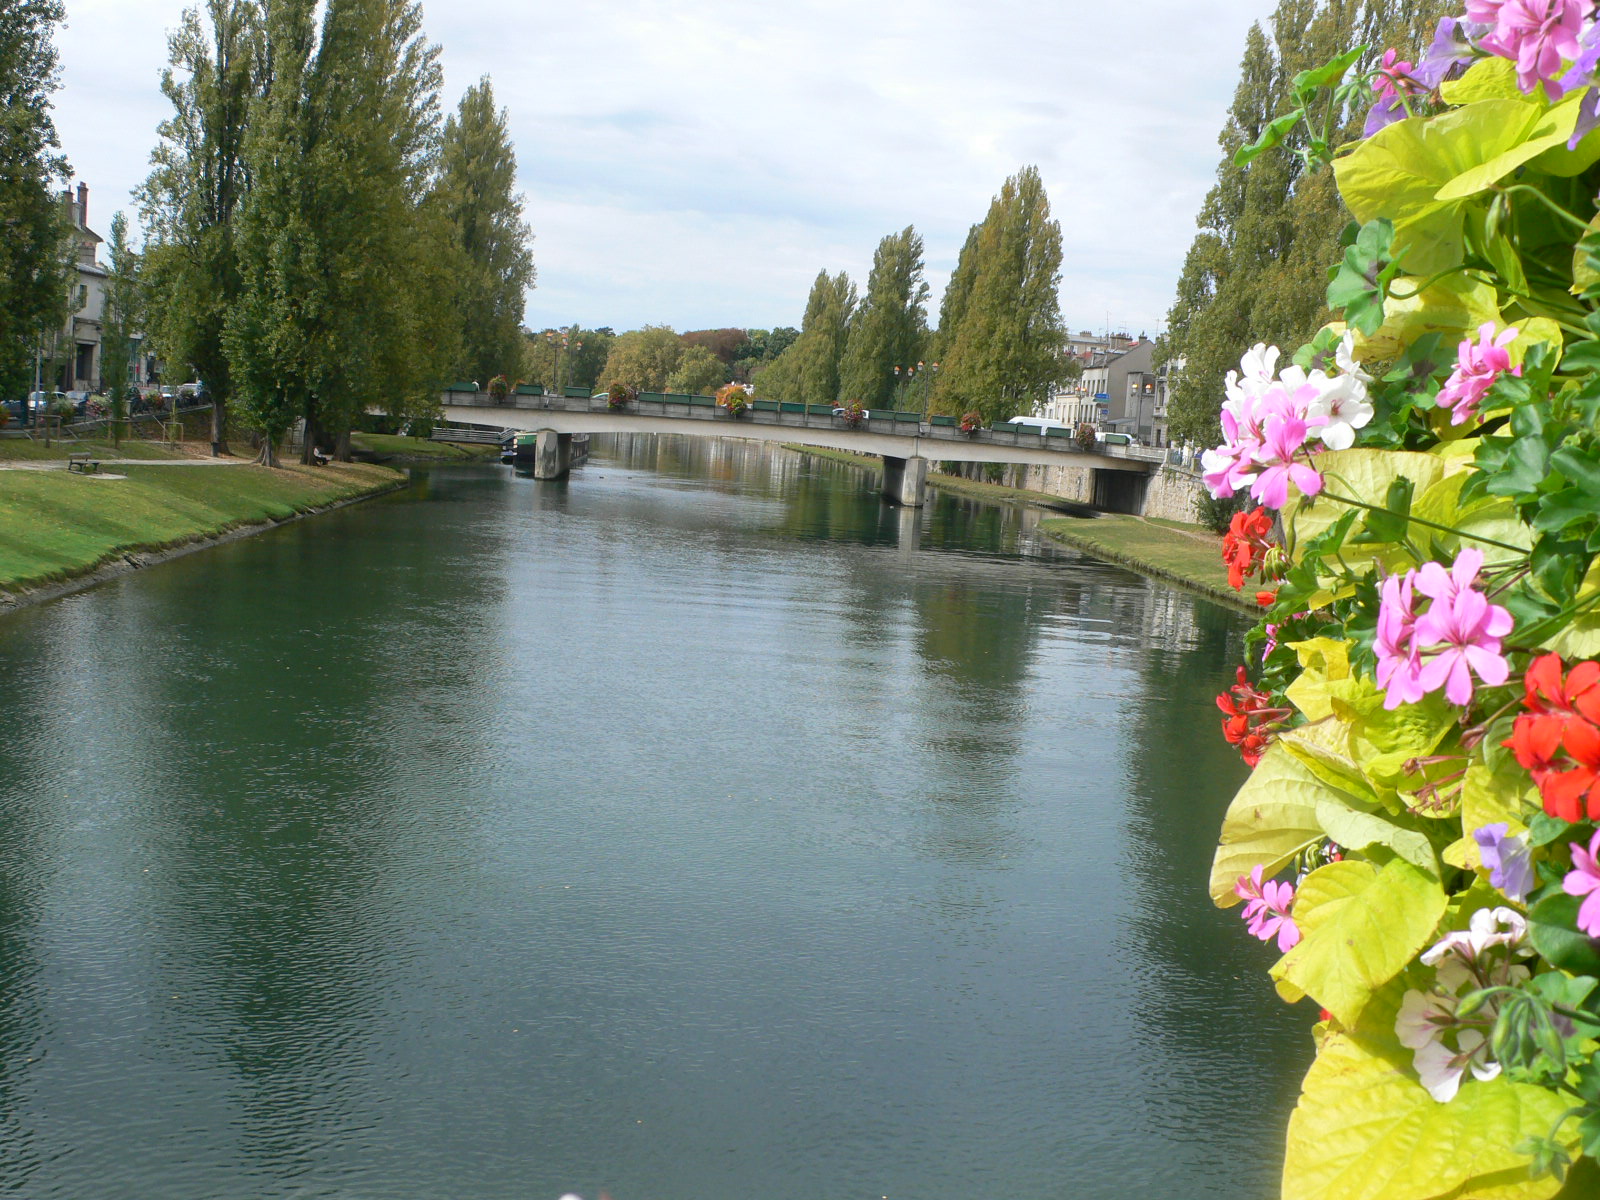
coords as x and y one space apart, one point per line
74 349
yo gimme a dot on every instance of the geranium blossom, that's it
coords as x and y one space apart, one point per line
1535 34
1267 908
1456 637
1249 720
1389 106
1584 880
1444 1046
1557 740
1245 544
1477 368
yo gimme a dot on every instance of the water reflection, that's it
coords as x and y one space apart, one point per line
697 826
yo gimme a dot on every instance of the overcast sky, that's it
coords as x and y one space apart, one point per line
696 164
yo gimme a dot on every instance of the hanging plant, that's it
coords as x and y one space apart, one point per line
620 396
971 422
851 413
734 399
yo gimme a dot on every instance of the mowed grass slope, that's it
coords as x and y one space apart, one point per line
56 524
1192 558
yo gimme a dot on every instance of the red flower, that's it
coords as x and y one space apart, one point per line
1248 721
1245 544
1558 739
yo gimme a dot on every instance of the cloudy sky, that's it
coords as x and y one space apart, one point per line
696 164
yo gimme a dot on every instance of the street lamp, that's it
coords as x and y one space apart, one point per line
903 378
560 342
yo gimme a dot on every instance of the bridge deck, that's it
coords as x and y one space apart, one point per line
903 435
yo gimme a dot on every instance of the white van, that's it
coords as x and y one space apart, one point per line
1038 423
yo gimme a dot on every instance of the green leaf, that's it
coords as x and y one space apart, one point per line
1486 79
1391 523
1417 172
1553 929
1366 1129
1330 74
1357 830
1452 308
1360 927
1364 475
1274 133
1272 818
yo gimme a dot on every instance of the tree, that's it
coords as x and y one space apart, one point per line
192 197
699 372
477 184
808 370
726 344
643 358
890 326
33 265
1256 270
124 316
345 252
953 305
1005 350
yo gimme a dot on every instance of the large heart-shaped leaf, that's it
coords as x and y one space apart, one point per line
1272 818
1360 927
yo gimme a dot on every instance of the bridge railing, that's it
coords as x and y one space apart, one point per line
812 416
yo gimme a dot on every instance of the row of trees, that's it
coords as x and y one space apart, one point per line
999 341
652 359
1256 271
318 241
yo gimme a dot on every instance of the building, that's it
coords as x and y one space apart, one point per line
73 351
1120 389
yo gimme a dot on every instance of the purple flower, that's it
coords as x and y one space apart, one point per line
1477 368
1450 50
1509 859
1535 34
1267 908
1584 880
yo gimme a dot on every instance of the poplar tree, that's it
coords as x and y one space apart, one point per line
1256 271
808 371
643 358
34 264
123 317
477 186
953 305
890 326
1004 351
193 195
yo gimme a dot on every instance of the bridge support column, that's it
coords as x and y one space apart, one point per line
904 480
552 455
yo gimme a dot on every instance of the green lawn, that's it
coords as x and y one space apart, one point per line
56 524
419 448
1166 550
23 450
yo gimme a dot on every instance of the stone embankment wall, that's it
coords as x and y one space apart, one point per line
1170 495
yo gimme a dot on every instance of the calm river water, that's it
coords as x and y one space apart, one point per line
697 829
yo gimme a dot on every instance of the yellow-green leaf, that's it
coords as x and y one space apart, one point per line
1324 747
1272 818
1364 475
1357 830
1366 1129
1452 307
1487 797
1486 79
1581 637
1360 927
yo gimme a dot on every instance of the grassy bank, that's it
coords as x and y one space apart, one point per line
1187 555
410 449
56 525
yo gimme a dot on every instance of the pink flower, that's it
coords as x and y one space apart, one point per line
1285 433
1534 34
1458 636
1399 662
1584 880
1477 367
1389 73
1267 908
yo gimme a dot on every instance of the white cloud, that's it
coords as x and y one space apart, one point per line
698 164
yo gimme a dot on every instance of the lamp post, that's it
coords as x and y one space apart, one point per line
560 342
903 378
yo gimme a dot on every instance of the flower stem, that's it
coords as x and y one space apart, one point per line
1471 537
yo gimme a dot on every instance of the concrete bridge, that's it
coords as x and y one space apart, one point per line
905 441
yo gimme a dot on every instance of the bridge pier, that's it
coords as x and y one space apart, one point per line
904 479
552 455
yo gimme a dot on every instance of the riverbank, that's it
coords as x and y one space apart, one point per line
1189 556
60 530
392 447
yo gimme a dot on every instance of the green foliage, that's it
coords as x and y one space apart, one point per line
808 370
33 265
124 315
1002 351
699 372
476 191
643 359
890 325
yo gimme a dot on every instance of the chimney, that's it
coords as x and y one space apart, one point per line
83 205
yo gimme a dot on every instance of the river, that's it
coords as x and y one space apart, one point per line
697 828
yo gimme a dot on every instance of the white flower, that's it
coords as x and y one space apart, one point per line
1343 402
1344 355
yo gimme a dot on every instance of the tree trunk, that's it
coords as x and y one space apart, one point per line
341 446
268 457
219 427
308 441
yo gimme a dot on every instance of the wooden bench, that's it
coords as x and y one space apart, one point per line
83 462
